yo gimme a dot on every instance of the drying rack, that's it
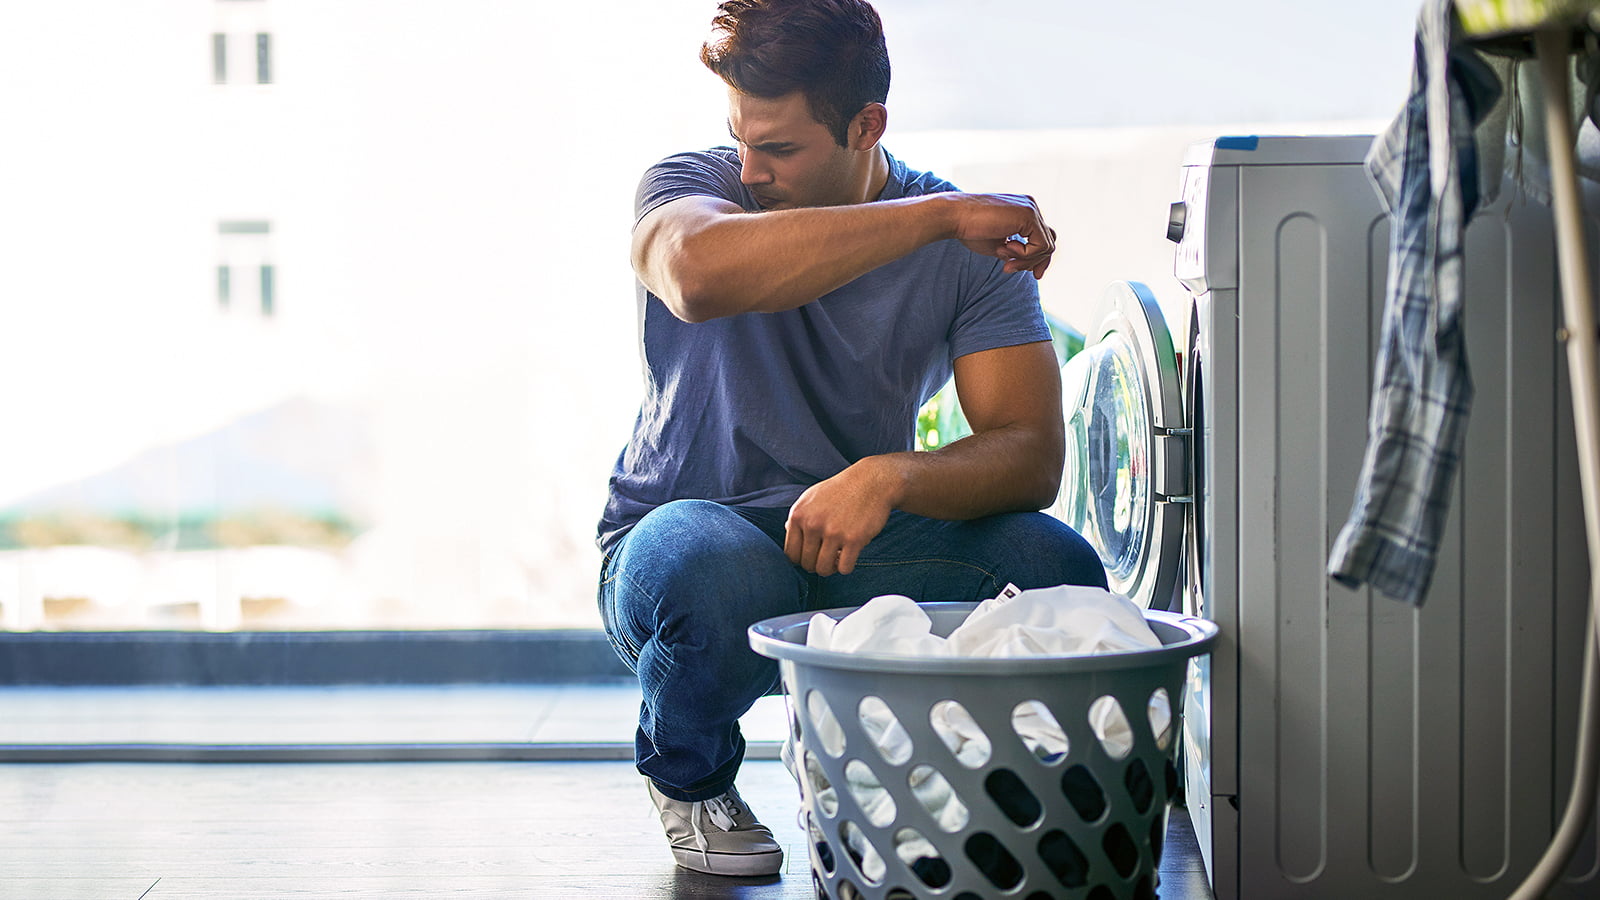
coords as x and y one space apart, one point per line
1552 45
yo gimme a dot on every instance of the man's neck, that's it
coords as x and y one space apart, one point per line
877 174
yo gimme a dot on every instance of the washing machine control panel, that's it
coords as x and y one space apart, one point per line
1209 207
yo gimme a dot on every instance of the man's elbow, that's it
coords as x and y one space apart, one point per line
692 304
1046 484
671 265
691 289
1046 481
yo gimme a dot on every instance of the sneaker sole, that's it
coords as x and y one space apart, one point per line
713 863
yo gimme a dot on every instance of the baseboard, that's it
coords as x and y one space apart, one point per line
307 658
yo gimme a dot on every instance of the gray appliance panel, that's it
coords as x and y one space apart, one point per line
1211 725
1384 751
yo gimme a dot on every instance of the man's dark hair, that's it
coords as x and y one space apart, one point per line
831 50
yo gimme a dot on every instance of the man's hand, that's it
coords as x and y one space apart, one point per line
1009 227
834 519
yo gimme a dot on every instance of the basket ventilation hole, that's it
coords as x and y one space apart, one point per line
869 793
956 727
1158 837
822 791
1084 793
936 796
1039 730
1040 895
847 891
1141 790
1013 797
862 853
1101 892
796 733
1064 860
818 888
819 844
1111 726
1144 890
1120 849
921 857
884 730
899 894
1160 712
824 725
994 861
966 895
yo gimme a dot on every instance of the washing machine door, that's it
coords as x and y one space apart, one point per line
1125 483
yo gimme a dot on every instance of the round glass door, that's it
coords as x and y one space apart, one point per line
1125 479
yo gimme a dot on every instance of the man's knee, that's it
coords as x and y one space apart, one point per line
696 557
687 537
1046 552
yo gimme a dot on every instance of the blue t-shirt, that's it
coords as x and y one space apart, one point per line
753 409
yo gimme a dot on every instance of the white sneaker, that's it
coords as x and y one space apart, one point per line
719 836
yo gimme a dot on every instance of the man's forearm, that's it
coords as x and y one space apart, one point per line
1009 469
706 258
715 264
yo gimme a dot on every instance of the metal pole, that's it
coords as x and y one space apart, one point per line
1577 303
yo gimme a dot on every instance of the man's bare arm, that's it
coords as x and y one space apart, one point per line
707 258
1011 462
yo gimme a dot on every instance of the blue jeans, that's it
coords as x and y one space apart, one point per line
678 591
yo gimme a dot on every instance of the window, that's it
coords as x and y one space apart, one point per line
410 438
244 24
219 58
263 59
266 290
245 246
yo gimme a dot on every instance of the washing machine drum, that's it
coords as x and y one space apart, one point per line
1124 485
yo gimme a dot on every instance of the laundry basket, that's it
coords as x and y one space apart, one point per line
961 778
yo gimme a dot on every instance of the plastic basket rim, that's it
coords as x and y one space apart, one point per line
768 638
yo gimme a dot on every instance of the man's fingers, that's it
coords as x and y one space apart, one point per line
836 558
793 543
808 556
847 559
815 554
827 559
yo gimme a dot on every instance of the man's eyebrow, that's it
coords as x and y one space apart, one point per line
764 147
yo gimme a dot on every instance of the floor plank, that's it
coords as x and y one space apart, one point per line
75 888
390 830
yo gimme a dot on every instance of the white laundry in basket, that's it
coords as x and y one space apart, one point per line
1068 620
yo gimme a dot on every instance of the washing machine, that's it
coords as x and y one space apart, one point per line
1337 743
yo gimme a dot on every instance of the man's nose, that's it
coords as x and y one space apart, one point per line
752 171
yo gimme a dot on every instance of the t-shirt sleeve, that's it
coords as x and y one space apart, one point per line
699 174
996 309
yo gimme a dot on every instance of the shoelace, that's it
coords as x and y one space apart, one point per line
720 810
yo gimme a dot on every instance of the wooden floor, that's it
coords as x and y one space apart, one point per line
129 831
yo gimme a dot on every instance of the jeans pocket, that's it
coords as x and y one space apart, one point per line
624 651
604 598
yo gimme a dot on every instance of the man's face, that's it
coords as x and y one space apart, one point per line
789 159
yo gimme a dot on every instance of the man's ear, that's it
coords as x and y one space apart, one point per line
867 128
